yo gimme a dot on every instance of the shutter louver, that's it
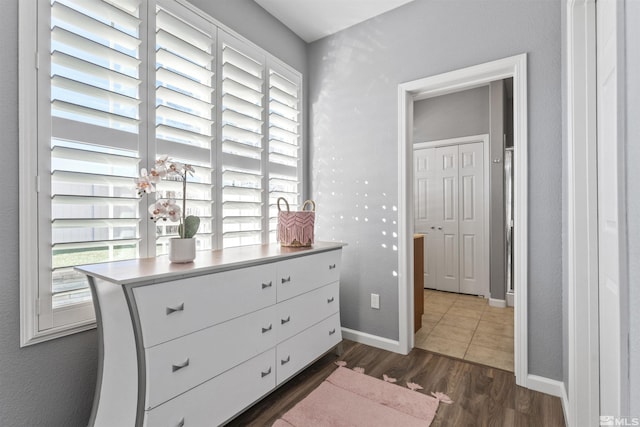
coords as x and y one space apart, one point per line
94 147
242 148
284 144
185 80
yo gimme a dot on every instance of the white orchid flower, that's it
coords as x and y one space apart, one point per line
144 183
155 176
158 210
173 212
175 168
162 160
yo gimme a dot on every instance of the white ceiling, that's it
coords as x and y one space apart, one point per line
314 19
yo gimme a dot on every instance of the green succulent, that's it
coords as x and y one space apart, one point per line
189 228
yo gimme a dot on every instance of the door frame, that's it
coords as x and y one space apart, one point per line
582 399
484 139
442 84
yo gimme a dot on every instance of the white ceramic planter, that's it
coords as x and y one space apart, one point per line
182 250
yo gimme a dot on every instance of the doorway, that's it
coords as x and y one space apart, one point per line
451 212
454 81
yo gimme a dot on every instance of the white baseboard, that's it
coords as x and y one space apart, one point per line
545 385
372 340
497 303
510 299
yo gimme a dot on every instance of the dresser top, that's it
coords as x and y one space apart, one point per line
159 269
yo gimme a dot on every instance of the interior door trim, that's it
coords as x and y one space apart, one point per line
441 84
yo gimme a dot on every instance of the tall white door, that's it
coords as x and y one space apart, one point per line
472 218
449 211
426 178
608 210
448 278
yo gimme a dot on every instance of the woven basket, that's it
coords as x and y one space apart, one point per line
295 229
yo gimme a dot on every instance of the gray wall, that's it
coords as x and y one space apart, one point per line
497 234
450 116
353 145
633 196
52 384
565 204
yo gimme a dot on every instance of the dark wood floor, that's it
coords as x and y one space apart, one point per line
482 396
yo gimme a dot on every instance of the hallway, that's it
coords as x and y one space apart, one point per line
466 327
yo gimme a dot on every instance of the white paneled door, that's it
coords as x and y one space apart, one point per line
471 222
426 179
608 210
446 216
449 211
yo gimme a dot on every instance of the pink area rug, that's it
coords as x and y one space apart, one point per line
350 398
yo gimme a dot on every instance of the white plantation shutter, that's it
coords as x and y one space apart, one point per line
242 143
185 94
119 84
284 142
90 149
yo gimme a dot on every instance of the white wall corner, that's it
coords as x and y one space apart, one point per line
545 385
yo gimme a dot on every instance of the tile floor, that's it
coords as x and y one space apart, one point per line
466 327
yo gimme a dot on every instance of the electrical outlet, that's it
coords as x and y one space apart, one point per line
375 301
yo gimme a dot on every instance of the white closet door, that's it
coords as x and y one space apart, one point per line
426 178
471 221
447 205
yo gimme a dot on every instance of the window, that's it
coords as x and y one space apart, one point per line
116 84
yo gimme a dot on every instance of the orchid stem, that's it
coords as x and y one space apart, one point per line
184 204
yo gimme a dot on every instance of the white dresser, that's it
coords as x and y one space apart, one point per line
196 344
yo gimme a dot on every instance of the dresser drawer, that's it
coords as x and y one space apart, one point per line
219 399
302 349
299 275
297 314
181 364
172 309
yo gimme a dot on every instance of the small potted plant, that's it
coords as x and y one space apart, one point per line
182 249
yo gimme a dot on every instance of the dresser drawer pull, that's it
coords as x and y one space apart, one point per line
180 423
264 374
330 300
287 320
184 364
265 330
288 279
285 361
267 285
332 266
171 310
333 331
